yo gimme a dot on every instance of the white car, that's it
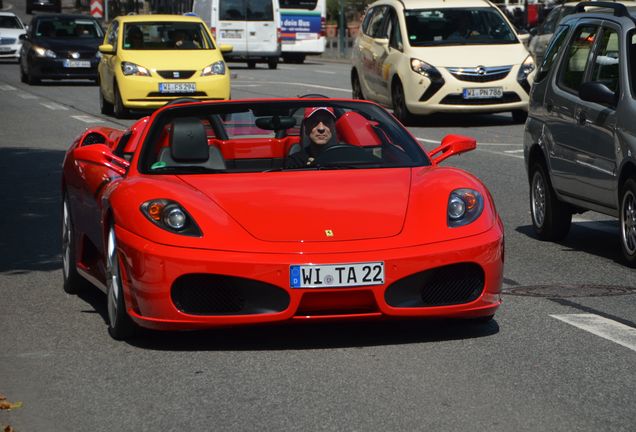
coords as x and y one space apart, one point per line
427 56
10 30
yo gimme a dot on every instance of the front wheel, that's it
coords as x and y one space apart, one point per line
628 221
272 63
400 110
356 87
551 218
120 325
73 281
105 107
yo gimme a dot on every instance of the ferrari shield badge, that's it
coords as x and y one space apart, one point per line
329 233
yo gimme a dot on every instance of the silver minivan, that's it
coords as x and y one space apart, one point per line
252 27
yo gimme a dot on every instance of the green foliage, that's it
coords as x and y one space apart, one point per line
353 9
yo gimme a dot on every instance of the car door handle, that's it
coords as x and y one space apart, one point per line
580 118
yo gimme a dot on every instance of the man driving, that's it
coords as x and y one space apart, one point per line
318 132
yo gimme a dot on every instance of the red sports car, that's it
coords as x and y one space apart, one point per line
209 214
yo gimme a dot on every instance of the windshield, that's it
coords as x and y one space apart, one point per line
10 22
166 36
267 136
84 28
457 26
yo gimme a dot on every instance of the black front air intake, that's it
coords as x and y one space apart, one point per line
210 294
442 286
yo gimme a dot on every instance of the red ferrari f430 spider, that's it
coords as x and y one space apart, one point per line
209 214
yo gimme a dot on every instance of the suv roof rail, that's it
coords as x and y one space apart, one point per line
619 9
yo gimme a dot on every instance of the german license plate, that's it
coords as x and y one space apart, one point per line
177 87
306 36
336 275
483 93
77 63
231 34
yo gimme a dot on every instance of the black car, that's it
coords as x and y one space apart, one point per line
60 47
580 136
43 5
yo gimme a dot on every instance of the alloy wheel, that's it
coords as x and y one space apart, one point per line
628 222
538 199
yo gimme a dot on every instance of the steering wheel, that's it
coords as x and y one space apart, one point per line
344 153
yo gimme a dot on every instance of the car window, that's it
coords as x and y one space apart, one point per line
232 10
166 35
111 36
376 23
605 67
457 26
631 52
10 22
393 30
574 64
552 52
259 136
69 28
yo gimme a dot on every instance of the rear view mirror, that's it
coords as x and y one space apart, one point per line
452 145
275 123
226 48
101 154
595 91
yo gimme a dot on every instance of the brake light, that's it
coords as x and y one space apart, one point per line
323 26
279 38
213 31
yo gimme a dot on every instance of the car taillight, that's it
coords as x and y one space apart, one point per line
323 26
213 31
279 38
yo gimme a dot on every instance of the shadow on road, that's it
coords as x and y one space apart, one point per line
30 218
305 336
599 238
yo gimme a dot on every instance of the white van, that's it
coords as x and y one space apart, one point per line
252 27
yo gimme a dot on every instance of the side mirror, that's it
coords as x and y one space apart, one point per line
595 91
452 145
107 49
382 41
101 154
524 38
226 48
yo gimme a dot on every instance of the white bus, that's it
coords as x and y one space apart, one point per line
302 28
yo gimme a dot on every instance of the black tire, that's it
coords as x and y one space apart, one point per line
105 107
30 79
551 218
251 64
23 75
272 63
628 221
483 320
120 325
356 87
118 106
29 11
519 116
73 281
400 111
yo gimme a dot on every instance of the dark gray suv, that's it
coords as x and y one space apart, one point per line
580 137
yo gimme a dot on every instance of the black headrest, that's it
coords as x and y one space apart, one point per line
188 140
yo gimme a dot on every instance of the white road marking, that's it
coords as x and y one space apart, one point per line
246 85
325 72
27 96
54 106
308 85
606 328
513 151
87 119
7 87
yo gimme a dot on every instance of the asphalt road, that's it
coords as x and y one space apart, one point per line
560 355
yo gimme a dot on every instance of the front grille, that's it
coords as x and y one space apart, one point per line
73 55
442 286
209 294
7 52
7 41
458 99
176 74
480 74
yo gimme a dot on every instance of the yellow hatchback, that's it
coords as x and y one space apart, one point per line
149 60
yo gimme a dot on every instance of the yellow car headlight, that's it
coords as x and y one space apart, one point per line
129 68
217 68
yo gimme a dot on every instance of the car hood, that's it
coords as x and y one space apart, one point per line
312 206
11 33
59 44
472 55
171 59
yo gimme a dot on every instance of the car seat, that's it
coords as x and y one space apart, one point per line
189 146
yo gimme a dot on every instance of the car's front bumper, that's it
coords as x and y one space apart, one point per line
143 92
49 68
446 94
10 51
150 272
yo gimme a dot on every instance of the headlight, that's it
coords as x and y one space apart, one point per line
44 52
217 68
424 68
464 206
526 68
170 216
132 69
